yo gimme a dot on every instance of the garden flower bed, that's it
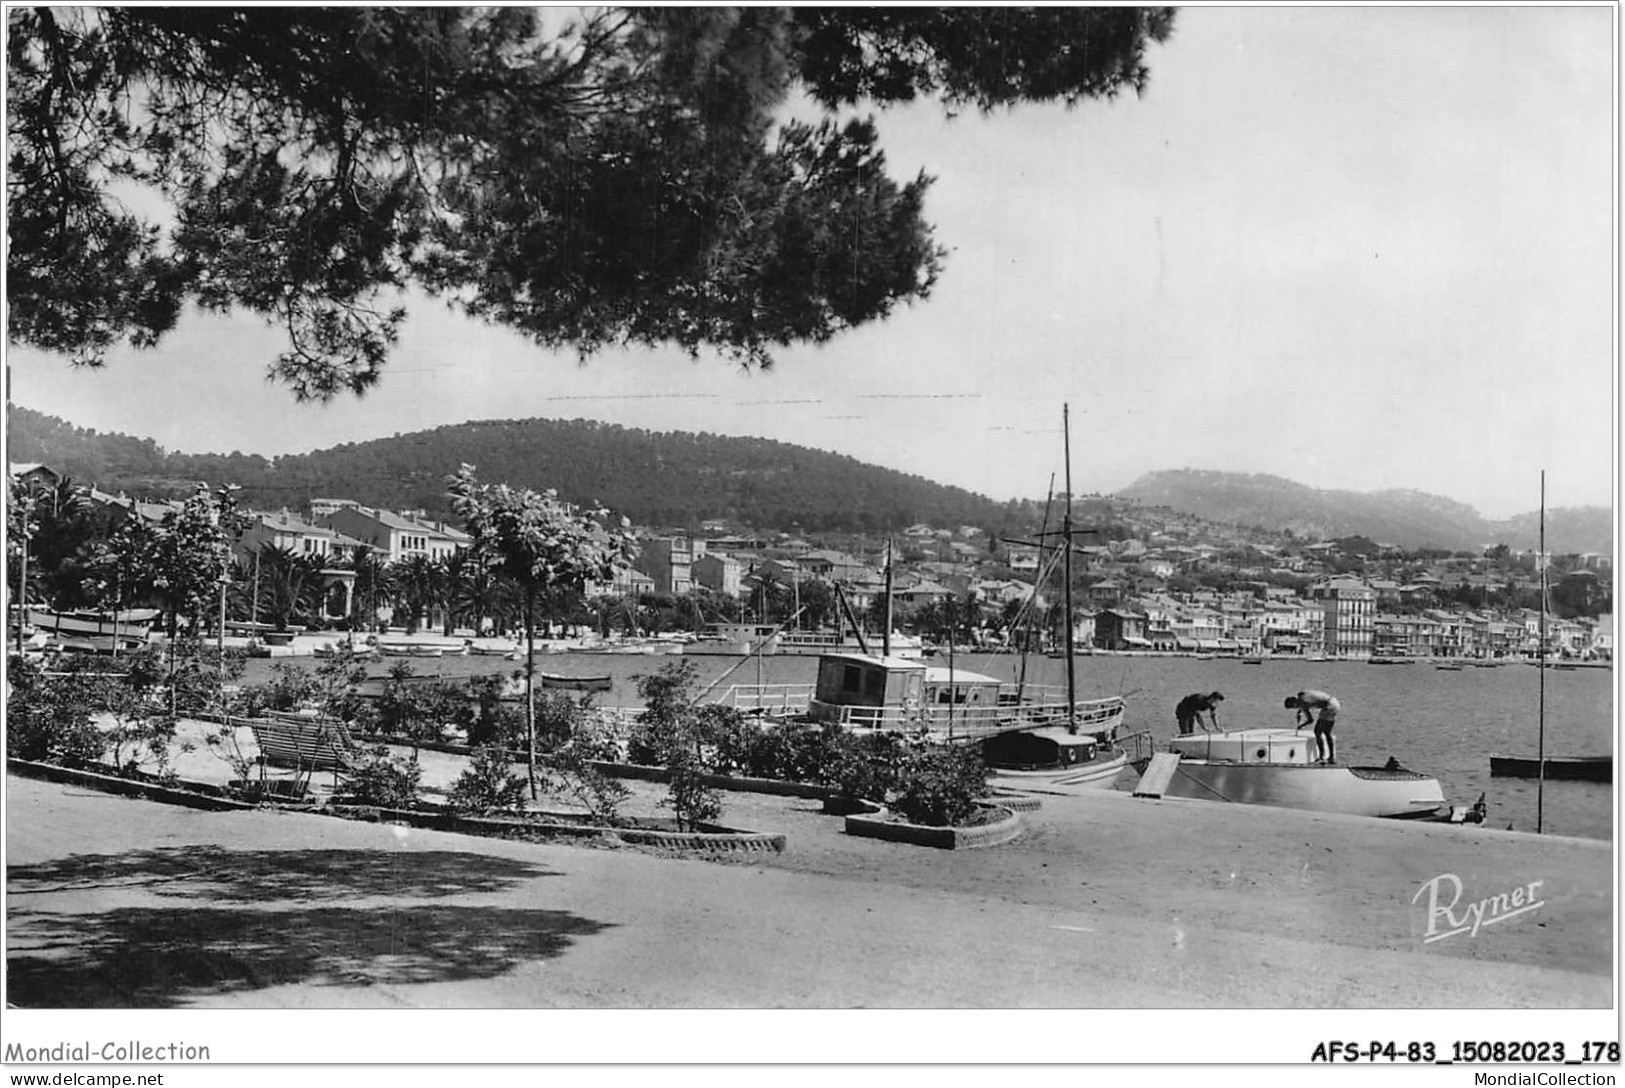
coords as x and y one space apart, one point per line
660 832
545 826
999 825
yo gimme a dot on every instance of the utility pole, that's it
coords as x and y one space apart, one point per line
1540 780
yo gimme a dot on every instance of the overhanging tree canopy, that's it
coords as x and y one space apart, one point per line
619 176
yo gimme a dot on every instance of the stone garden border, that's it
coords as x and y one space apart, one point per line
201 795
715 839
188 794
876 826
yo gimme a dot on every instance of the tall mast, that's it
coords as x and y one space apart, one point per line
1038 578
885 636
1540 781
1066 543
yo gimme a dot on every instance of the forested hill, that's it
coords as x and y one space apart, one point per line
1411 519
672 479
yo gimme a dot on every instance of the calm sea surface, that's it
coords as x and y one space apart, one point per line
1444 723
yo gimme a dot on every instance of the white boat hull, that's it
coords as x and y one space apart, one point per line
1357 791
417 649
134 625
1272 767
1097 774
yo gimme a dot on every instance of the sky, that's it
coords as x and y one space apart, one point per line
1358 248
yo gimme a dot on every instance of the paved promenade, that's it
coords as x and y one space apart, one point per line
1105 901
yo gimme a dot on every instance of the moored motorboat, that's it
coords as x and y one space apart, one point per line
421 649
1052 759
349 646
1273 766
96 632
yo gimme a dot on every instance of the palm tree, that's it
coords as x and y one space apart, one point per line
417 587
289 584
471 587
374 583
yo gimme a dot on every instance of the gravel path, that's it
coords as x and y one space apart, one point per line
1105 901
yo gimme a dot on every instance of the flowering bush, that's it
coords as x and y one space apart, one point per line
938 784
48 718
384 780
488 785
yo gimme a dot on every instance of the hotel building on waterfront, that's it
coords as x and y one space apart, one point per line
1349 607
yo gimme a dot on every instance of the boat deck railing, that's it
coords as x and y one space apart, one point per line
782 699
1137 746
960 720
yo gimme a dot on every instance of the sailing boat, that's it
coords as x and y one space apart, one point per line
1039 749
1583 768
1032 738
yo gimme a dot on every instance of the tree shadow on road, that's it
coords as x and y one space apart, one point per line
229 921
161 958
217 873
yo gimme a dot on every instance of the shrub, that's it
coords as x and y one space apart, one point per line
727 735
141 726
290 687
384 780
568 773
938 784
494 721
336 680
671 732
419 710
197 672
865 766
793 752
690 799
559 718
488 784
48 718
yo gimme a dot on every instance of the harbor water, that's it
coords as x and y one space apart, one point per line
1445 723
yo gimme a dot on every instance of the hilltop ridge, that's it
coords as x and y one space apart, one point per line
680 479
1401 516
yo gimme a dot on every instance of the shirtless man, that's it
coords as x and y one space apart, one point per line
1305 703
1191 708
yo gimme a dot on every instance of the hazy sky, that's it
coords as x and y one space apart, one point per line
1355 247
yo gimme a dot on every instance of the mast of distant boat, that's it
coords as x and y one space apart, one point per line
885 636
1066 543
1540 781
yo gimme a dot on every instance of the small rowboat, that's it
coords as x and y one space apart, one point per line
574 683
417 649
1571 768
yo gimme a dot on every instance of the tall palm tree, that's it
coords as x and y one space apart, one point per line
469 587
290 586
374 584
417 587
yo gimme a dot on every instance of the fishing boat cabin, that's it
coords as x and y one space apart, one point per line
869 691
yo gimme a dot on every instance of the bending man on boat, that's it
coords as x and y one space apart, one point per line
1305 703
1191 708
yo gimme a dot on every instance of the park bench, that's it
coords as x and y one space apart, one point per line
305 743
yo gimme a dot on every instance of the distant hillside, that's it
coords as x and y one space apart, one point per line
675 479
1411 519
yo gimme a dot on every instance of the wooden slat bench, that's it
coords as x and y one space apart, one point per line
306 744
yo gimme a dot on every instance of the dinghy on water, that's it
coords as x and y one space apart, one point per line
574 683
